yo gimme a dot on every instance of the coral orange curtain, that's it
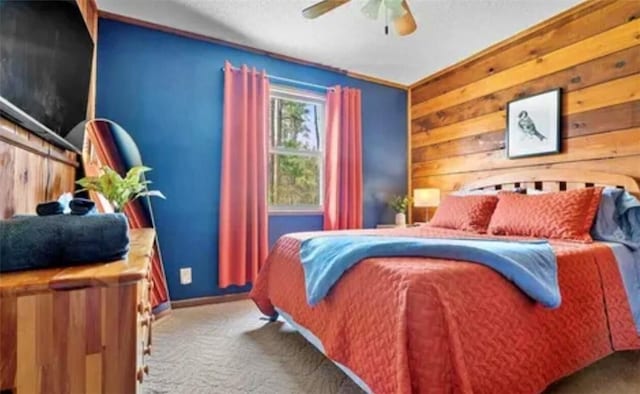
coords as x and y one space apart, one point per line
243 191
343 160
101 150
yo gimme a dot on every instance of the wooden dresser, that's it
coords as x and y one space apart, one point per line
83 329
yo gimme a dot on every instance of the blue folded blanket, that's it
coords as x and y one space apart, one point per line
618 218
618 221
32 242
530 265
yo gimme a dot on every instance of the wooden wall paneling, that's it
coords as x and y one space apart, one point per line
616 65
592 52
616 39
615 117
618 91
467 128
613 144
485 142
606 94
583 21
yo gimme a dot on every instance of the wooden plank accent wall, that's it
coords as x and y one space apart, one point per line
31 169
592 52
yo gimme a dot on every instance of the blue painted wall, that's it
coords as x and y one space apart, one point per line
166 91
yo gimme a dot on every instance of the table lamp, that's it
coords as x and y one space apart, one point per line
426 198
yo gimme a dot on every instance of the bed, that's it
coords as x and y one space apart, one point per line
426 325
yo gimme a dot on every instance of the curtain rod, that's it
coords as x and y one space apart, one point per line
294 81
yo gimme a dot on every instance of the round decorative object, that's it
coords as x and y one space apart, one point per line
401 219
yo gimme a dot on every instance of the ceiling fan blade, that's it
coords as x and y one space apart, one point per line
406 24
322 8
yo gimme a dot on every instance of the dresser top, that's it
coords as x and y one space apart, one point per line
134 268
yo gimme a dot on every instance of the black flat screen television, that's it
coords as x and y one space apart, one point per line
46 53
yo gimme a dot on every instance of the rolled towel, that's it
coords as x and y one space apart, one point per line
81 206
49 208
32 242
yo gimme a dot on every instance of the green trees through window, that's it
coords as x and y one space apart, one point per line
295 157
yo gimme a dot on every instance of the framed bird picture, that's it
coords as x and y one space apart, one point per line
533 125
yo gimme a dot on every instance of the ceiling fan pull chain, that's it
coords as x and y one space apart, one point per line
386 20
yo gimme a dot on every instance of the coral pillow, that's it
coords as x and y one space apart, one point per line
592 210
561 215
468 213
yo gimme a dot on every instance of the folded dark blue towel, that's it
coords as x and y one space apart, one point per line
49 208
31 242
81 206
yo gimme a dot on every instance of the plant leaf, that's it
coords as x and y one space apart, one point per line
118 190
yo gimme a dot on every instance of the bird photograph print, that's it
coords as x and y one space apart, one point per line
533 125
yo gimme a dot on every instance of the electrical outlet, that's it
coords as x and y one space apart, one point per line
185 276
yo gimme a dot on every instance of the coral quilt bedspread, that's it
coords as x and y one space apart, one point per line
423 325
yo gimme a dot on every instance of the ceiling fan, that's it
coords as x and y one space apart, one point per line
396 10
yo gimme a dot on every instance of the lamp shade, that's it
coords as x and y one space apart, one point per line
426 197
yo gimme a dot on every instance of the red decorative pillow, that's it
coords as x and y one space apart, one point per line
468 213
561 215
592 210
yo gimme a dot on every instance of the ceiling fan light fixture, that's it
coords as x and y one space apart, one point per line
372 9
395 9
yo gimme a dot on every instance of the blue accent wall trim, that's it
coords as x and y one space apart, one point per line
166 91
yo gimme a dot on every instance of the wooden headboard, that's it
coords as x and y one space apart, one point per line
554 180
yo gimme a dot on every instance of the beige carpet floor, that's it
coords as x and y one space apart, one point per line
227 349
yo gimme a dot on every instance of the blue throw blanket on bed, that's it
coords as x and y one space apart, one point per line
618 218
530 265
618 221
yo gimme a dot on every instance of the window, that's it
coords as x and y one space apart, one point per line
296 145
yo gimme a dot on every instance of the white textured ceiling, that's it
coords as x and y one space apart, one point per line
448 30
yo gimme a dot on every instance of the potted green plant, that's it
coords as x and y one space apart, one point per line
118 190
400 204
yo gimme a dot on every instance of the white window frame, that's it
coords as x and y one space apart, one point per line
305 96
